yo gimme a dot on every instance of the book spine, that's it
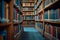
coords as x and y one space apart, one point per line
0 11
3 11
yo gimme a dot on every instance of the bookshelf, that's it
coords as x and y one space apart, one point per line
28 12
10 19
47 14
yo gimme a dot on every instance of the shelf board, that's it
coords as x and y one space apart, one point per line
17 23
28 25
29 11
51 22
4 24
28 6
29 20
28 2
38 21
39 12
28 15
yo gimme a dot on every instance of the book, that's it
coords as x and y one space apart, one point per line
2 11
46 15
14 16
7 12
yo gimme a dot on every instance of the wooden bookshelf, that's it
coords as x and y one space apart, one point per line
9 16
46 6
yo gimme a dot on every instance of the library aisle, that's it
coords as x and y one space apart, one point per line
29 19
31 33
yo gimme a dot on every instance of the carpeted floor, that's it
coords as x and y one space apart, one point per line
31 34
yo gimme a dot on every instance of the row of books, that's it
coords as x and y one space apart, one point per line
49 1
28 17
26 9
16 30
53 31
36 18
28 23
34 6
3 13
39 17
39 27
17 15
28 4
27 0
52 14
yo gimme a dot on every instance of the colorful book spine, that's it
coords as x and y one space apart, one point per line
46 15
2 10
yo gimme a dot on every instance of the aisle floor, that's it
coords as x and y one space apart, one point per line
31 33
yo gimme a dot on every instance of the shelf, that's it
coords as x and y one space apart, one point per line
7 1
51 5
52 22
39 12
17 23
29 15
38 21
28 25
28 2
29 11
29 20
4 24
28 6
